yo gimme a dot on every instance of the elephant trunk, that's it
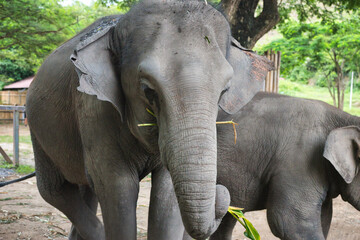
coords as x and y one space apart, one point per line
189 150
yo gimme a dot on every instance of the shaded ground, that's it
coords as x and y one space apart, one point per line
24 215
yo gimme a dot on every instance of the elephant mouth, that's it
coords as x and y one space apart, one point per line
147 131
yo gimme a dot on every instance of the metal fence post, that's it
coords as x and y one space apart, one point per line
16 137
16 112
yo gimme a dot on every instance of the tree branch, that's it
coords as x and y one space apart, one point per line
245 27
268 18
230 8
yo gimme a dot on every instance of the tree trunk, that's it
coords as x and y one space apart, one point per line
245 27
332 94
331 87
340 80
342 98
338 91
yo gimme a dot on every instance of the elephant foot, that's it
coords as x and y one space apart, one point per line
74 235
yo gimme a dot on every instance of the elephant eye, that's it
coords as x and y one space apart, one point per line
150 93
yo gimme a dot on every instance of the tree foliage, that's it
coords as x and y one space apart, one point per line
31 29
321 9
322 51
122 4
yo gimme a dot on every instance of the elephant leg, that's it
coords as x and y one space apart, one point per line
111 156
164 214
326 215
117 191
225 229
294 212
91 201
65 196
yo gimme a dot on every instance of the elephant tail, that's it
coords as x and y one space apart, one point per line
2 184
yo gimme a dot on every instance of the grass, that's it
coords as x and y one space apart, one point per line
24 169
21 169
6 139
313 92
9 139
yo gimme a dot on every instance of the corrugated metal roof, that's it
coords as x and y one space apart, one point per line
25 83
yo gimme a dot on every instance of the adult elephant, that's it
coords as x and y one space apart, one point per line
292 157
176 58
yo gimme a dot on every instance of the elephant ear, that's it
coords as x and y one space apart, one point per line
93 61
250 71
342 150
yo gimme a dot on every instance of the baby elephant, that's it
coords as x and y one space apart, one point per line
292 157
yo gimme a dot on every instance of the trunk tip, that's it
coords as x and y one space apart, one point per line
222 201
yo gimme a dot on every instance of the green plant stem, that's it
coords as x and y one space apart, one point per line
152 113
236 217
147 124
220 122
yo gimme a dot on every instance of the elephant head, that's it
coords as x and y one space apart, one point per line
178 59
342 149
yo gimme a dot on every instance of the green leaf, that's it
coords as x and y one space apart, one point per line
250 232
207 39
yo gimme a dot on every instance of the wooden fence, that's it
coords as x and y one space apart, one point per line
272 78
11 98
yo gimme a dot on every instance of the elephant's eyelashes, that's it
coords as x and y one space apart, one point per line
150 93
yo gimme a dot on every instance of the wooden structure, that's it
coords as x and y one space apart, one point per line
272 78
15 110
14 94
11 97
6 157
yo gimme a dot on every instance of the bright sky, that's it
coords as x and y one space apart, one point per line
69 2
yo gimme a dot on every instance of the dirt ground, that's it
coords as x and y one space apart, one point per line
24 215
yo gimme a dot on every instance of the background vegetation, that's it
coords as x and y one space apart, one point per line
31 29
322 53
319 40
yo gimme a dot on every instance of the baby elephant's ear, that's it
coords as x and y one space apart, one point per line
94 64
342 150
250 71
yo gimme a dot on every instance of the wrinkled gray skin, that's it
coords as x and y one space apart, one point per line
174 57
292 157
